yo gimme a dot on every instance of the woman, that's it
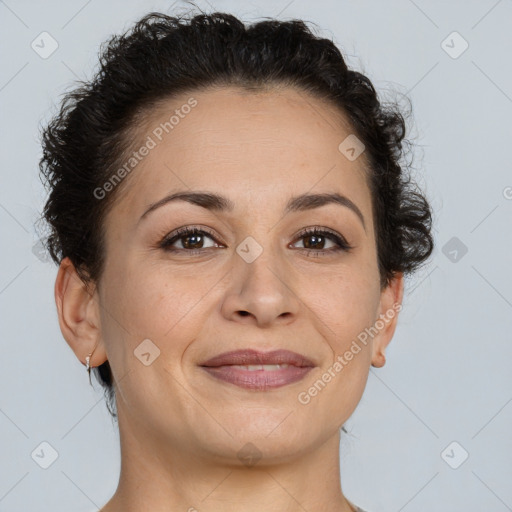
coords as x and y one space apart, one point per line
233 224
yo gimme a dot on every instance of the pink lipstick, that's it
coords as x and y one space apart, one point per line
259 371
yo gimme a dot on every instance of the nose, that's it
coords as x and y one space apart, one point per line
260 293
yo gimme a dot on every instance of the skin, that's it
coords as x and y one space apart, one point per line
180 428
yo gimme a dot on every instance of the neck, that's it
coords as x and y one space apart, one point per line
166 478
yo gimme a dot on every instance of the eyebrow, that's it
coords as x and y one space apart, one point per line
215 202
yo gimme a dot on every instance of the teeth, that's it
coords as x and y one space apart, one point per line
265 367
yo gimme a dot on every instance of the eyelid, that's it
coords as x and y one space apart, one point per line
185 230
319 229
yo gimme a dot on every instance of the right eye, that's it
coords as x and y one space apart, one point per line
193 236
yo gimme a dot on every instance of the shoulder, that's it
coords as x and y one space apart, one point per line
356 508
359 509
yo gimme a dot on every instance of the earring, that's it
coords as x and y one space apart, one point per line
88 362
88 366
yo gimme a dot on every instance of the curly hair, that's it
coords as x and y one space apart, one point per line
162 56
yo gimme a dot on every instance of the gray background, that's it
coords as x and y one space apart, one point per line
447 376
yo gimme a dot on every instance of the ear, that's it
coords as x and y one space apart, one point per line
79 318
385 324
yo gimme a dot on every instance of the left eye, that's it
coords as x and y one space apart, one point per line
316 239
318 236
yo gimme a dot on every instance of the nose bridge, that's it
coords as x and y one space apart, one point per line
260 243
261 261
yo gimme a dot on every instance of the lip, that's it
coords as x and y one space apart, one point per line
227 367
251 357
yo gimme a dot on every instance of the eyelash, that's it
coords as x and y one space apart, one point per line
182 232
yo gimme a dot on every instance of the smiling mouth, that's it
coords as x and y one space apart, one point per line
258 377
251 369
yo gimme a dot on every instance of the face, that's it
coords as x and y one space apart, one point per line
246 278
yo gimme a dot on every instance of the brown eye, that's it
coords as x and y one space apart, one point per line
192 240
316 239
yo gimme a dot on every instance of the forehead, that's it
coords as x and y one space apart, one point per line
248 146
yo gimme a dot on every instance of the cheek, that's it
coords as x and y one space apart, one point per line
346 304
149 304
344 309
152 303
